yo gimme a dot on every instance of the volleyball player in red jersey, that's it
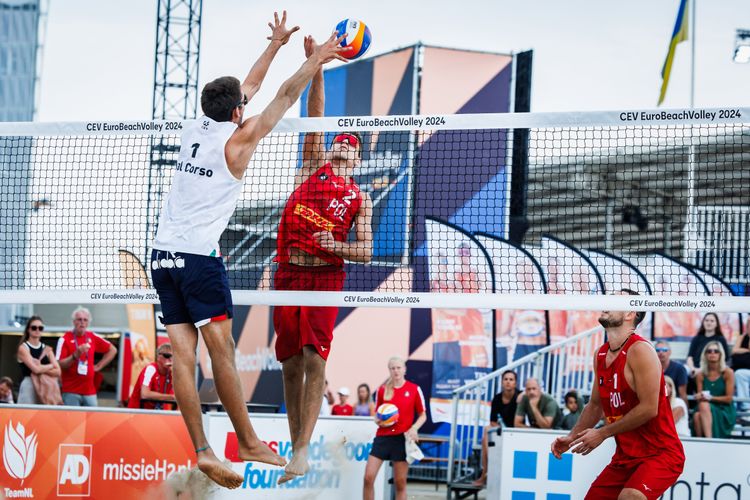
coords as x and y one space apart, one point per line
312 246
629 392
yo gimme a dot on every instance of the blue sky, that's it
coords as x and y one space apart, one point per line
588 55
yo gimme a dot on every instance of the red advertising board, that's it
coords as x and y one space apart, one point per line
65 453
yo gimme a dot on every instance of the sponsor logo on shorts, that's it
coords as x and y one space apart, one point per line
314 217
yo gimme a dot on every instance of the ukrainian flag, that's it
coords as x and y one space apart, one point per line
679 34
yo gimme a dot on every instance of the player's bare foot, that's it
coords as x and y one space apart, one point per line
260 452
218 471
297 467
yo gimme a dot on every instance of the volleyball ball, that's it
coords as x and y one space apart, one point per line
387 413
357 39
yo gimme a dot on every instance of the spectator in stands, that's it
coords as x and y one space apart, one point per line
539 408
6 390
676 371
716 415
365 406
710 330
502 413
36 359
679 408
75 352
343 408
153 389
741 367
574 404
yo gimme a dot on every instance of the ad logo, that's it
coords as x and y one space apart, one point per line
74 470
19 451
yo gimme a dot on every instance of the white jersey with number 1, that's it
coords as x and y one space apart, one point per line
204 192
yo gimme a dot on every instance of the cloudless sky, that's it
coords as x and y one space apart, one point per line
98 60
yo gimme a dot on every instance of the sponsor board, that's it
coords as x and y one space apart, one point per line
338 452
51 453
528 469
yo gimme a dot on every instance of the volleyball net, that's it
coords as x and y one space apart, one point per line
527 211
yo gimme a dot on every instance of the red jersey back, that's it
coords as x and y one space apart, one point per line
324 202
658 436
410 402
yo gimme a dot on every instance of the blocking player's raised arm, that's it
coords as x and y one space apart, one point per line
279 36
313 148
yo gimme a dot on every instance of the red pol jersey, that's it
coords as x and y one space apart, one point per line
324 202
657 436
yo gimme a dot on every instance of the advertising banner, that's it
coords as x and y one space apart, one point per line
528 469
51 453
338 453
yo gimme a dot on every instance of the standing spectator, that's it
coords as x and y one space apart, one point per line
343 408
365 406
35 358
679 408
741 367
672 369
716 415
710 330
502 412
390 441
75 352
6 390
155 383
540 408
574 404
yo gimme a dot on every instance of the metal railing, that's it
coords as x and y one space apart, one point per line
717 240
559 368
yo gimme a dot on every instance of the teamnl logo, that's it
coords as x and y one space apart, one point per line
19 458
525 466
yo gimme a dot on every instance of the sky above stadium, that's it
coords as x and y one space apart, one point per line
98 61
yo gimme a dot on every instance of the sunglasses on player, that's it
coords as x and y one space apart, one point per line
348 138
243 102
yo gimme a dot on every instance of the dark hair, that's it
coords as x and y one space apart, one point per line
369 393
702 330
359 138
220 97
571 394
507 372
25 335
6 381
639 315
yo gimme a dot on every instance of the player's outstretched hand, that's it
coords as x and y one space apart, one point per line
331 49
279 30
587 441
310 45
561 445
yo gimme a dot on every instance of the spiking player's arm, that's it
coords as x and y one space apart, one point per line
279 36
244 141
313 148
356 251
646 369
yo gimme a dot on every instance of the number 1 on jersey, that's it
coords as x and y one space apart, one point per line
195 148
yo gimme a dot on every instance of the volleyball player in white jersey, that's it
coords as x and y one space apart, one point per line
186 266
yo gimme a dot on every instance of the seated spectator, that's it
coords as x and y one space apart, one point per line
154 383
716 414
710 330
679 408
539 408
6 390
741 367
574 404
343 408
365 406
502 412
75 353
36 359
672 369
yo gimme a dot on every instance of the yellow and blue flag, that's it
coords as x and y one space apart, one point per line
679 34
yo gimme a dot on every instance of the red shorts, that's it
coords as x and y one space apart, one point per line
298 326
651 476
